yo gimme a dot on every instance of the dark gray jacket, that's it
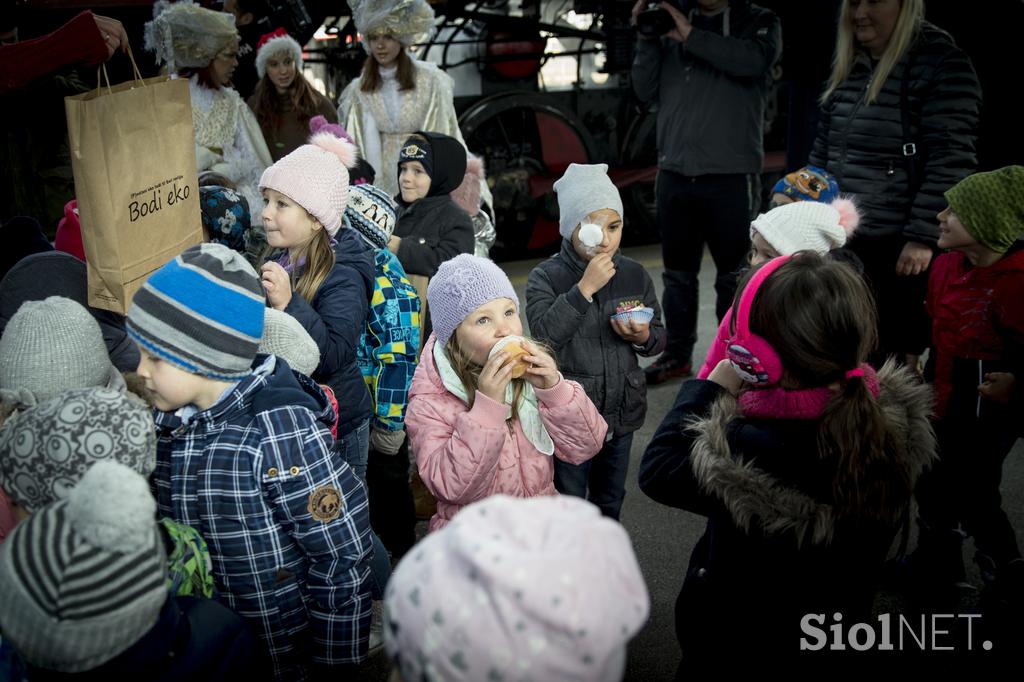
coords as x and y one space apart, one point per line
580 332
862 145
711 90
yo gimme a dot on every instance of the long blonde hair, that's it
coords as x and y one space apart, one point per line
907 24
319 260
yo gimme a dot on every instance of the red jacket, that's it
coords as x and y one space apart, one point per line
977 314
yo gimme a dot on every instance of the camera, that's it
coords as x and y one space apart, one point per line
654 21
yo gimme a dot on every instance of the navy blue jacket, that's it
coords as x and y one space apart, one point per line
335 319
194 639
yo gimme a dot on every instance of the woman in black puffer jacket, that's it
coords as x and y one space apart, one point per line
898 128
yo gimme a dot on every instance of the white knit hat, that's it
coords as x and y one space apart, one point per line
285 337
275 43
807 226
583 189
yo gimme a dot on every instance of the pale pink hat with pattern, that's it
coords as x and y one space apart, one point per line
541 588
315 176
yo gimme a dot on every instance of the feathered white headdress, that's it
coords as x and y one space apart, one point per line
183 34
407 21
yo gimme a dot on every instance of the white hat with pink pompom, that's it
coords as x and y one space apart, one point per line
807 226
315 176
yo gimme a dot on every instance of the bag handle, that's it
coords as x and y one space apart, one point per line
101 73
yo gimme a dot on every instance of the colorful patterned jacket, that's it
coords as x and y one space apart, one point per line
390 341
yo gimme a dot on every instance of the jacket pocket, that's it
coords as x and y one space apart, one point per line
289 615
634 401
593 387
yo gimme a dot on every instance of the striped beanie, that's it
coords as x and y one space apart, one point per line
84 578
202 312
371 212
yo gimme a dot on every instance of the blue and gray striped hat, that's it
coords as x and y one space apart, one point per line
203 312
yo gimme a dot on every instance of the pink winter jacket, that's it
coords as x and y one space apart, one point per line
465 455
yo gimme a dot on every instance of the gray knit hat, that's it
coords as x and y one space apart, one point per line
202 312
285 337
45 450
83 579
582 190
51 346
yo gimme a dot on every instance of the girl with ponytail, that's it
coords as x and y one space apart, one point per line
801 457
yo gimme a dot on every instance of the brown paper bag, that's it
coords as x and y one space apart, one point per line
133 157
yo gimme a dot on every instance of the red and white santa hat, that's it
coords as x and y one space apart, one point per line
274 43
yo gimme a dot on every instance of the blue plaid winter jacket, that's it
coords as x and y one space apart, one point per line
390 341
286 521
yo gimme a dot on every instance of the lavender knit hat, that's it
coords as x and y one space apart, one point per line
462 285
551 591
315 176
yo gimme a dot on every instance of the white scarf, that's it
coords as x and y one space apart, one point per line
529 413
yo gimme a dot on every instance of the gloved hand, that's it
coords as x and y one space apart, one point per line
386 442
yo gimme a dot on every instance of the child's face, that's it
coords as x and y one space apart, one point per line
385 49
288 225
485 326
610 223
281 71
170 387
952 233
413 180
760 250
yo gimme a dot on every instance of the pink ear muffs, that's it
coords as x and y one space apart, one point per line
754 359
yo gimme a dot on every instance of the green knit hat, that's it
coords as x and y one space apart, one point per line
991 206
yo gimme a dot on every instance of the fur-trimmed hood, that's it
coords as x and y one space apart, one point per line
755 496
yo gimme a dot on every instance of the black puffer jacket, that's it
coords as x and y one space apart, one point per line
862 144
773 548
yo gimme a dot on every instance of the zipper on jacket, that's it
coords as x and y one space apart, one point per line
981 380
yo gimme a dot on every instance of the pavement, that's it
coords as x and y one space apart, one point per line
663 537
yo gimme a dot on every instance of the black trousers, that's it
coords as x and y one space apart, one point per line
694 211
392 513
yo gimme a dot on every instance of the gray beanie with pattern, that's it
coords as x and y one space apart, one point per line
83 579
51 346
45 450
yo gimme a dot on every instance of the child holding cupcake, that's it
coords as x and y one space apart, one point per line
598 311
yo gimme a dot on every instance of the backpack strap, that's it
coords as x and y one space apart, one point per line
909 148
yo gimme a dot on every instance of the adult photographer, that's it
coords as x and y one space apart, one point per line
709 73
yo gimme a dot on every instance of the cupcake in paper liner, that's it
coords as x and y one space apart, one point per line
639 315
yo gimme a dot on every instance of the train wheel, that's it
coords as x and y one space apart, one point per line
640 152
527 143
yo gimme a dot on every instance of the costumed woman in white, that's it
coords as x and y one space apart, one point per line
202 45
397 94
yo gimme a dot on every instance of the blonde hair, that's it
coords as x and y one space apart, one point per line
319 257
907 24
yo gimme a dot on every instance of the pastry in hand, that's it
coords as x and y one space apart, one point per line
513 346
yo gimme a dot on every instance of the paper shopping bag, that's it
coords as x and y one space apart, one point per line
134 162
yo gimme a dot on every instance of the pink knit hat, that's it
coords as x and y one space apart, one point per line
315 176
547 589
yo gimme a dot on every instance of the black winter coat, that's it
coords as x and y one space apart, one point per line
862 144
335 319
580 333
772 550
433 230
194 639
